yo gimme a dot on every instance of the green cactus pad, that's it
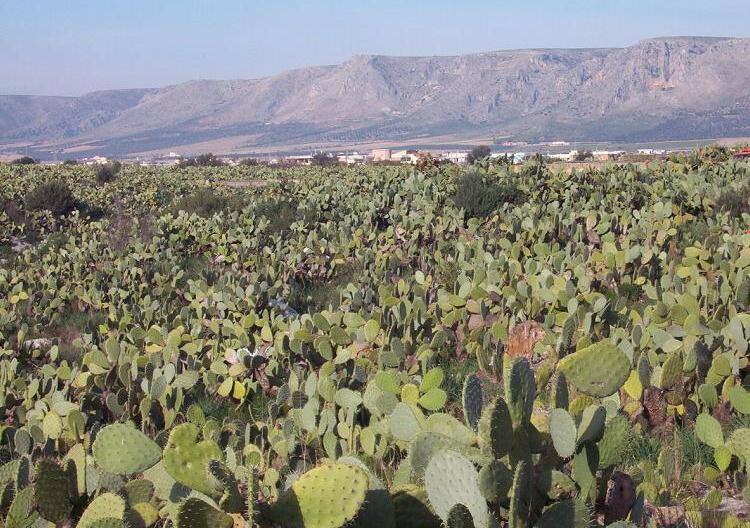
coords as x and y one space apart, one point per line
405 422
412 508
460 517
195 513
51 491
520 389
472 398
108 523
137 491
520 492
562 428
377 511
560 397
423 447
598 370
614 442
450 479
186 459
105 506
499 428
327 496
591 426
123 450
495 481
708 430
566 336
21 513
222 478
569 513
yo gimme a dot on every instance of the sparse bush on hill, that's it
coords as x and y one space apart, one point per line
24 160
479 153
204 202
480 198
324 159
734 202
54 196
107 173
204 160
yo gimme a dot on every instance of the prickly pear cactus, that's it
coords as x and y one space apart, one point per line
496 429
569 513
22 513
472 398
195 513
413 508
328 496
460 517
451 479
231 499
562 428
51 491
518 514
105 506
123 450
520 389
186 459
598 370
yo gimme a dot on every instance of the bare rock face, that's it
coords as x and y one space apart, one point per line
665 88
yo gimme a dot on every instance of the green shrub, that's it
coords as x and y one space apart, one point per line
479 153
54 196
734 202
479 198
281 214
25 160
108 172
204 202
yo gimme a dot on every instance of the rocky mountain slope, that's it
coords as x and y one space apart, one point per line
664 88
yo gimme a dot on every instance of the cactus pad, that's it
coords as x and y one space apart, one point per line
327 496
569 513
51 491
495 480
412 508
563 430
123 450
460 517
520 389
105 506
195 513
21 513
598 370
519 496
186 459
450 479
472 398
499 428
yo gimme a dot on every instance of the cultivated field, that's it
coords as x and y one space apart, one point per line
376 347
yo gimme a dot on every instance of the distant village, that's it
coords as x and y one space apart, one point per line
406 156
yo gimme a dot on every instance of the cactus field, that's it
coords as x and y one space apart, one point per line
341 347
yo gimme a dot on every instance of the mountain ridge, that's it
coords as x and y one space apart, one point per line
659 88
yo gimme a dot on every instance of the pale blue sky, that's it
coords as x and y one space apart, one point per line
68 47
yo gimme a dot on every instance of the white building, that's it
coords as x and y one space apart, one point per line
651 152
456 157
96 160
381 155
353 158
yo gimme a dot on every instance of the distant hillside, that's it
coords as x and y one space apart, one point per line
664 88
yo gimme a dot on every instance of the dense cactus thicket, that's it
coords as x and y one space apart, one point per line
375 346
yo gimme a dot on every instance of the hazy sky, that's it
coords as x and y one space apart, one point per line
69 47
